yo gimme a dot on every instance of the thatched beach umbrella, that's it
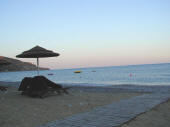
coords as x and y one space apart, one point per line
37 52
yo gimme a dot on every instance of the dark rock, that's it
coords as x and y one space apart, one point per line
39 86
17 65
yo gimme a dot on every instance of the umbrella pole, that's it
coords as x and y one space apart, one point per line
37 66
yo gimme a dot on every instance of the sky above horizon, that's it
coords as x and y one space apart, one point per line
87 33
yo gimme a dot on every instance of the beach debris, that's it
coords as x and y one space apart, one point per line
84 103
93 71
77 71
40 86
80 91
130 75
81 103
3 88
69 105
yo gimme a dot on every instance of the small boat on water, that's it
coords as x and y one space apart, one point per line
50 74
77 71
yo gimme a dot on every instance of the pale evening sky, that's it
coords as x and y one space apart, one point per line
87 33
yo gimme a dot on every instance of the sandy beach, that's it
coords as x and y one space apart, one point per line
22 111
159 116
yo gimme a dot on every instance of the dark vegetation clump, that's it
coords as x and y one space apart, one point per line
40 86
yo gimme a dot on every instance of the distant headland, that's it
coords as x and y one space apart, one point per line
17 65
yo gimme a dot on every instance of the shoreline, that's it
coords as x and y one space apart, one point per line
106 88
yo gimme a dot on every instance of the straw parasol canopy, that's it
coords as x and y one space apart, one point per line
37 52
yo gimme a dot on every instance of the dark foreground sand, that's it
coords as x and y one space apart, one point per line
22 111
157 117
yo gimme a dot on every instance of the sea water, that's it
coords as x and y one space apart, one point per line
148 74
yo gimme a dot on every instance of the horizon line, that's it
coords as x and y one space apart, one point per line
109 66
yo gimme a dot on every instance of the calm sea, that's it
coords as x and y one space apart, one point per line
150 74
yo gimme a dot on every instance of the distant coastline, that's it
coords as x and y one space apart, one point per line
17 65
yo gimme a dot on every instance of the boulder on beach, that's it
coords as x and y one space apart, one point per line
40 86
